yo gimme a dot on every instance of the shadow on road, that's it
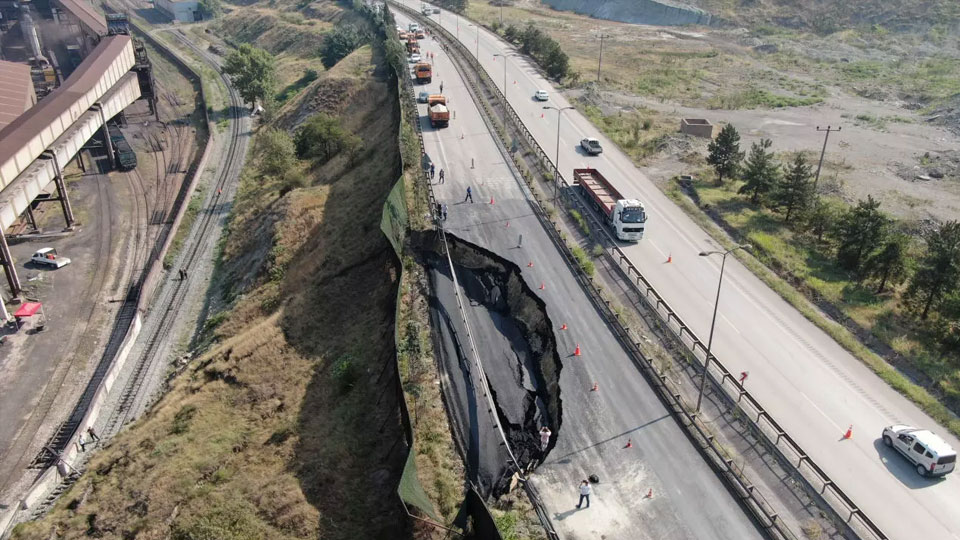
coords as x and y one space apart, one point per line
607 440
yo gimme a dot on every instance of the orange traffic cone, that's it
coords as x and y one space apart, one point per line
563 326
530 264
629 444
491 200
541 115
670 258
650 493
508 224
849 433
576 352
595 387
542 287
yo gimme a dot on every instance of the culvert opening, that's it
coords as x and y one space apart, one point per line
517 347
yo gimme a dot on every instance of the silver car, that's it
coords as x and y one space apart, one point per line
591 146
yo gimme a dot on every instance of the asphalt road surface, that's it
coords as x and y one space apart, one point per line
812 386
689 500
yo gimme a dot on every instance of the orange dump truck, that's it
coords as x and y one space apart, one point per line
413 46
423 73
439 113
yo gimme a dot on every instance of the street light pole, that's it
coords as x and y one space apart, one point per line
556 162
713 322
600 59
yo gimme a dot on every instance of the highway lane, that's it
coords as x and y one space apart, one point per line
798 372
689 500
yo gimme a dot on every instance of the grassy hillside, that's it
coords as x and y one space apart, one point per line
287 427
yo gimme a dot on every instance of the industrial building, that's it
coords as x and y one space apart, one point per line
64 76
181 10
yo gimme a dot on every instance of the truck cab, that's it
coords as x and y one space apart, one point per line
629 219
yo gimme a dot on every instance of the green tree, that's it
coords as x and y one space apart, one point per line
210 8
322 136
889 265
795 191
938 271
253 72
724 152
557 63
340 42
860 231
276 152
820 217
761 173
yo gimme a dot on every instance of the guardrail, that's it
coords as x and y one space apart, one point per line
721 378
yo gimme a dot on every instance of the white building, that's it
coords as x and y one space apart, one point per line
181 10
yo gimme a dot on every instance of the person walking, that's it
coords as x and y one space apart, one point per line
82 443
441 176
584 493
184 270
444 211
93 434
469 196
544 438
439 209
441 87
432 170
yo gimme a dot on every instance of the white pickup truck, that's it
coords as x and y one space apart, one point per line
48 256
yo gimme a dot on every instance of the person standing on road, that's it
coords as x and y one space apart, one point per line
584 493
441 176
439 209
544 438
469 195
444 211
441 87
82 443
432 170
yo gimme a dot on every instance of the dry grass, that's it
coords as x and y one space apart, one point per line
288 426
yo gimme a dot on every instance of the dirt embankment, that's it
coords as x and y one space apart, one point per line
288 426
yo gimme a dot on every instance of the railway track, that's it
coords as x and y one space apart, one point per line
134 397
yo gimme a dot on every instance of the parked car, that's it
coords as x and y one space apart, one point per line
591 146
541 95
414 58
48 257
931 454
423 97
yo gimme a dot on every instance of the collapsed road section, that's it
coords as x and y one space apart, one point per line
522 366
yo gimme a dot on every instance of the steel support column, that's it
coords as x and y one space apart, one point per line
61 189
31 218
8 267
106 136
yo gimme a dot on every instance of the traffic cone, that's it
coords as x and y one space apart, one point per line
629 443
530 264
595 387
670 258
491 200
576 352
541 115
563 326
849 433
650 493
508 224
542 287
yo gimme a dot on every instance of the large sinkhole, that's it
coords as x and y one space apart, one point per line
516 345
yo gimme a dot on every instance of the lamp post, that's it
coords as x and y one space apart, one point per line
458 27
556 162
477 53
713 322
504 56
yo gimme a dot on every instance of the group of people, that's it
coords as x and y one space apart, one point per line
585 488
433 170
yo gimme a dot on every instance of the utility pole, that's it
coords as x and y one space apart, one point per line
556 163
600 59
826 137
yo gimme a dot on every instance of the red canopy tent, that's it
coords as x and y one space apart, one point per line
29 309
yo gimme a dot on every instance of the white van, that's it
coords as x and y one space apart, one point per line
931 454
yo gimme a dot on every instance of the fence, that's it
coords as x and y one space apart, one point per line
720 377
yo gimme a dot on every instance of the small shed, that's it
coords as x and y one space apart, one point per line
698 127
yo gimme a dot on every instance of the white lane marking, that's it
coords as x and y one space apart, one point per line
821 412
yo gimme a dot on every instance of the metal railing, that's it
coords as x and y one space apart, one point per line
722 379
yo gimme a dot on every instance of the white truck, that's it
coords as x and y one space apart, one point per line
48 257
626 217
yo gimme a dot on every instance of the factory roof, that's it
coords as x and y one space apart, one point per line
16 91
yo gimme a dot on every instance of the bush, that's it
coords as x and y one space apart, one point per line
541 47
345 371
321 137
339 43
276 152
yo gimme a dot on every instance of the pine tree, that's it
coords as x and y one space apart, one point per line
760 172
725 154
860 232
889 265
795 192
938 273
